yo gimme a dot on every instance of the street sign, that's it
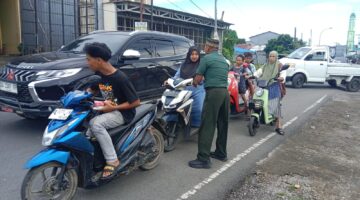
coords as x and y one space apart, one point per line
141 26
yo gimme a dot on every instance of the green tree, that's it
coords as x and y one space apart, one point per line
229 41
284 44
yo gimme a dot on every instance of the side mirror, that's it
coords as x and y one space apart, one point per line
62 46
285 67
131 54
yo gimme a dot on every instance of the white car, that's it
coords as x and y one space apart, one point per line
315 65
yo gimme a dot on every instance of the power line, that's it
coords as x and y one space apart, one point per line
172 3
200 8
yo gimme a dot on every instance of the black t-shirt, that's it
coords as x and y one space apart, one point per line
118 88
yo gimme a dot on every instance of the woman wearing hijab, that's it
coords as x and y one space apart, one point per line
268 72
186 71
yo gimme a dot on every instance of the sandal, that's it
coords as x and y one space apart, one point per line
112 169
280 131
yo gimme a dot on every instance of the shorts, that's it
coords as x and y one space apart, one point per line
242 85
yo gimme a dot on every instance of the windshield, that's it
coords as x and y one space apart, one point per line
113 41
299 53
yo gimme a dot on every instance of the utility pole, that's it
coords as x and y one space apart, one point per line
152 15
216 35
329 28
141 10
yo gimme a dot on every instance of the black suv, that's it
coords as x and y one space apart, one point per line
31 86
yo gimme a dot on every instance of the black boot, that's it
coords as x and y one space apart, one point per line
199 164
217 157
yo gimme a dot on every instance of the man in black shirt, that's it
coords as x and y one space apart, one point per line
119 107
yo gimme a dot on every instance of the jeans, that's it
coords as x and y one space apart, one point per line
98 129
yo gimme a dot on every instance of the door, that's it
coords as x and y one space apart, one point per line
316 66
138 70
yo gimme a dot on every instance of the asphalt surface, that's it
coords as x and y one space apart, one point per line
20 139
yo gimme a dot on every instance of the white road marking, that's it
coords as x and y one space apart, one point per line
238 157
316 103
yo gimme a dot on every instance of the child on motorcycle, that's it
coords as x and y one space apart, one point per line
251 69
240 70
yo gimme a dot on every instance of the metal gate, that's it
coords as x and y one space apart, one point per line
46 25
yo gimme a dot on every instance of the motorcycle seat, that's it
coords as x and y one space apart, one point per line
141 111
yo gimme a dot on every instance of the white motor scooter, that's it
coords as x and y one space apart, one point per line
177 106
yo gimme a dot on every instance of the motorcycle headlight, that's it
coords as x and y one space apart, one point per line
259 92
46 74
50 137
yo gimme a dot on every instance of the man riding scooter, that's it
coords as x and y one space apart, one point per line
119 107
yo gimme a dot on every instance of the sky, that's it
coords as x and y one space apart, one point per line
252 17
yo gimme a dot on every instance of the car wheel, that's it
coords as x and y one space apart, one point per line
353 85
332 83
298 81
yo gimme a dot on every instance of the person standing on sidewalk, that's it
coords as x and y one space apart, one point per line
214 69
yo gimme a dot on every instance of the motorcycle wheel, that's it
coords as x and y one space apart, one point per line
253 126
158 150
41 183
171 137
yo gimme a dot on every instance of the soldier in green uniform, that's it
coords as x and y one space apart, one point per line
214 69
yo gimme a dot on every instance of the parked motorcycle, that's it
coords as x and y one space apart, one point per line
235 106
259 106
177 106
71 159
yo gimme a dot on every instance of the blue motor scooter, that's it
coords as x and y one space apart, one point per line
71 159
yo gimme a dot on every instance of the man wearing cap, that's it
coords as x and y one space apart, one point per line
214 69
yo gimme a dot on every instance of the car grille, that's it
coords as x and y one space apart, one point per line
22 79
17 75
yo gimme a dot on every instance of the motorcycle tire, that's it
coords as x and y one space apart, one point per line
253 126
158 148
49 182
172 136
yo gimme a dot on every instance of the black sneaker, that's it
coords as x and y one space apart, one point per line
217 157
198 164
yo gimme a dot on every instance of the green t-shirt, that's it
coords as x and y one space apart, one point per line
215 69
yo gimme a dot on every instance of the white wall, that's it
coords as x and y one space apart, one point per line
110 16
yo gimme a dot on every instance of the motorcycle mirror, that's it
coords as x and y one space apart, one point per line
284 67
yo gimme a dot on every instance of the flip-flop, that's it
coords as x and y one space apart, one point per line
280 131
112 169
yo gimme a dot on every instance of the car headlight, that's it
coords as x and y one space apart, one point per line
259 92
57 73
50 137
291 65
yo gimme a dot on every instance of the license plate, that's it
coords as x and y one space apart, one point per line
60 114
7 109
171 94
8 87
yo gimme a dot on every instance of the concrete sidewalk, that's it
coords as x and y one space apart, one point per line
322 161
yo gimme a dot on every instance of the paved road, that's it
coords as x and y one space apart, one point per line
172 179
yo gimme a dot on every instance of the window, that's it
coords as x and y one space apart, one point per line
299 53
113 41
144 47
181 47
164 48
316 56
